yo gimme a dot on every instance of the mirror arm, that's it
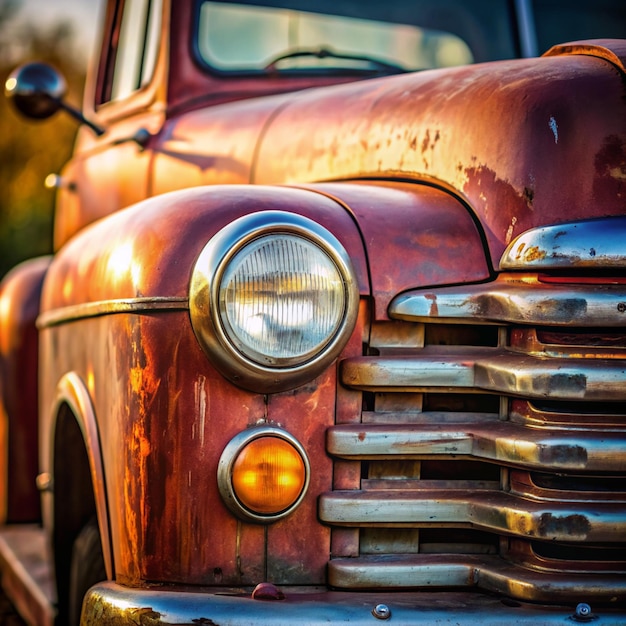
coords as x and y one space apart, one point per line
77 115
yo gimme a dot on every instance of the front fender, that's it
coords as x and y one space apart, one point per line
148 250
399 236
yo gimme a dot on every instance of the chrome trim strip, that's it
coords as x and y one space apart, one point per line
518 301
108 307
485 572
502 442
595 243
490 370
112 604
485 509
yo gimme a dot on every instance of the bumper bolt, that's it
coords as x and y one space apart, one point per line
583 613
381 611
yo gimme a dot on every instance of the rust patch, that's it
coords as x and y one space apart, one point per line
534 253
552 526
564 454
610 166
529 195
434 309
426 141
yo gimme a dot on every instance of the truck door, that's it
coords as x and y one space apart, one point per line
125 96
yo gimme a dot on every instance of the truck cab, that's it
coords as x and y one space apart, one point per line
333 330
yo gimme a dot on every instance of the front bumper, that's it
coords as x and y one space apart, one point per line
110 603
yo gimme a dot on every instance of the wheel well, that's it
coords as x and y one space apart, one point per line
74 501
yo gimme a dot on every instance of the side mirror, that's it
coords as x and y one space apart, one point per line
37 91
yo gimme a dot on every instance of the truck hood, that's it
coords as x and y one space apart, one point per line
524 143
527 142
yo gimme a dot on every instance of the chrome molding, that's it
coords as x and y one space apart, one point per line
499 441
76 312
490 448
595 244
485 572
490 370
485 509
116 604
517 300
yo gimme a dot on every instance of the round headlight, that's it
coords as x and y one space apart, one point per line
282 299
263 474
273 300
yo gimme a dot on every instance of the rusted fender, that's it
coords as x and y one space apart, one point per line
147 251
19 306
526 142
414 235
134 254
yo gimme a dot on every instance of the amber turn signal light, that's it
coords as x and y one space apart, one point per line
268 475
263 474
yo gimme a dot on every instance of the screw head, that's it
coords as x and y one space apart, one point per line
381 611
583 611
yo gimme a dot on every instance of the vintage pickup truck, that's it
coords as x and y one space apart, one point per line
335 326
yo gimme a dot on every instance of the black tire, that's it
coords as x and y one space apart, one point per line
86 569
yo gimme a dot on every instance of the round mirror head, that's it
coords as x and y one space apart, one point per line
36 90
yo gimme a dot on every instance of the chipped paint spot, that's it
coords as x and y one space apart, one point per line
619 173
434 309
534 254
201 404
509 232
554 128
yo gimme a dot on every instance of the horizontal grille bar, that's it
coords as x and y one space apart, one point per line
501 442
517 300
491 370
489 450
489 573
484 509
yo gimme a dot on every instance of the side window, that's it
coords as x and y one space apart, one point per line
136 48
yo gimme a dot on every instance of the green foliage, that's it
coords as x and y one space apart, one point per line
29 151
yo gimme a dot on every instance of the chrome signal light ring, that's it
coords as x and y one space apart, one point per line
264 476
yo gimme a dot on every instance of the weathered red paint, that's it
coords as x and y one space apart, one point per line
19 306
423 178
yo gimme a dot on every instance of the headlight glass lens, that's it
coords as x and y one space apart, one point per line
282 299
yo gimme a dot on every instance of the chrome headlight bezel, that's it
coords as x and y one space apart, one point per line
244 367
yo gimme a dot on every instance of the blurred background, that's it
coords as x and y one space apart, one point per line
62 32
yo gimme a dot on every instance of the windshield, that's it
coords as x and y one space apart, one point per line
350 35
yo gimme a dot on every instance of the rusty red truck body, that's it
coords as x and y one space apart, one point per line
328 338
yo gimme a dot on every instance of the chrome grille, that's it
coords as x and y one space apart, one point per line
490 446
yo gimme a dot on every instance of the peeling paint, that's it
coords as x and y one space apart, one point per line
509 232
201 403
554 128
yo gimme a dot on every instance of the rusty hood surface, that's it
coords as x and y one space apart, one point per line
524 142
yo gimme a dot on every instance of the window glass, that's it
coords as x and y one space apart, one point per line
137 47
238 37
561 21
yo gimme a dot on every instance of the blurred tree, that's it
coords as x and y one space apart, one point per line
29 151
